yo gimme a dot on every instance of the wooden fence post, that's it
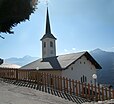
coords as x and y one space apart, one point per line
55 83
82 89
53 79
95 92
17 75
3 73
48 82
42 79
8 76
109 93
92 95
99 92
88 91
85 90
79 88
66 85
76 85
51 83
37 80
113 94
73 91
106 94
102 93
70 87
60 83
27 75
45 87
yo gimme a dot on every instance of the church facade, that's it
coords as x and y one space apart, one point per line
78 66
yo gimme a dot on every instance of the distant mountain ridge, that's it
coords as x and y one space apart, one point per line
21 61
106 60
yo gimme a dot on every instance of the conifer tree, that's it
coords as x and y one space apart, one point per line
12 12
1 61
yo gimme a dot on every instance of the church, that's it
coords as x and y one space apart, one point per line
78 66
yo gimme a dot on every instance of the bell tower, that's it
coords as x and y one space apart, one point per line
48 40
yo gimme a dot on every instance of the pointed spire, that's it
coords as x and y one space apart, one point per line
48 29
48 33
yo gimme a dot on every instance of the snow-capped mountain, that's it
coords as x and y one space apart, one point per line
20 61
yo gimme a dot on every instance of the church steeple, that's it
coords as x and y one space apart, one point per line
48 29
48 33
48 40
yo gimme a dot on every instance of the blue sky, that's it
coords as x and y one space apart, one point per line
78 25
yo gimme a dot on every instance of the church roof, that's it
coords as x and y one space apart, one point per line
60 62
48 28
47 35
7 65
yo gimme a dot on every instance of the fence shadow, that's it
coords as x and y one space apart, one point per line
76 99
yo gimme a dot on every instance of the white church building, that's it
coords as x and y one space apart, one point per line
78 66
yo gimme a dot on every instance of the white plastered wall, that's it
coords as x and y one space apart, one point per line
81 67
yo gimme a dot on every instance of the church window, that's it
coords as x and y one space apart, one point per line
83 79
71 68
44 44
51 44
80 62
84 62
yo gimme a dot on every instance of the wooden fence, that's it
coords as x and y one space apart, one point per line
59 83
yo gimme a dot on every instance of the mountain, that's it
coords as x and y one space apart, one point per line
106 60
20 61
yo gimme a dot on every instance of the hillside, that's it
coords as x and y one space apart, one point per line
106 60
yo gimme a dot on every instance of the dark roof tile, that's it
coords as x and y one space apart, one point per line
60 62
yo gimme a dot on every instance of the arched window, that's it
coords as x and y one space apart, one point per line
83 79
51 44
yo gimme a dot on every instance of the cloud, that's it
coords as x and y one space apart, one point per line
73 49
44 1
113 47
65 50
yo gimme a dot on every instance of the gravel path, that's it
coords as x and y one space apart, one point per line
11 94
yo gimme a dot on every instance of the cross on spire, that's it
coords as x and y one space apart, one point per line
47 3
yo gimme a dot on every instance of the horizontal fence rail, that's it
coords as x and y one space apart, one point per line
59 83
